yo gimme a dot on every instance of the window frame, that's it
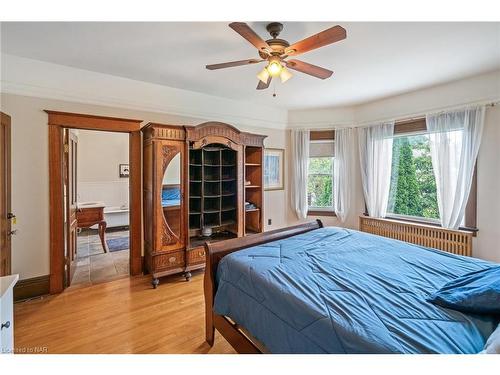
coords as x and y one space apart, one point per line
322 135
419 126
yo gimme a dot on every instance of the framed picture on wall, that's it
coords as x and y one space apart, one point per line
124 170
274 169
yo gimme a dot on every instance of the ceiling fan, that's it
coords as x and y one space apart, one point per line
275 52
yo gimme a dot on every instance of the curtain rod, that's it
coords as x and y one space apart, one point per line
419 115
403 118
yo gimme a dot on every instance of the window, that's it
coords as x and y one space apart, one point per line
320 178
413 192
320 183
413 186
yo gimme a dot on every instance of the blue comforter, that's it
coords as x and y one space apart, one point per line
335 290
170 202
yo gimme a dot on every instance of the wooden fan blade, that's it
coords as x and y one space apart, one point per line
262 85
246 32
310 69
328 36
232 63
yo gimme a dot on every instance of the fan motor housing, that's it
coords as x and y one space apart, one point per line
278 47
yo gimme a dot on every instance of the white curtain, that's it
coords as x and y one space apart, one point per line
342 172
454 141
375 154
300 164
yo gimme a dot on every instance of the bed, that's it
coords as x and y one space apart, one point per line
309 289
171 195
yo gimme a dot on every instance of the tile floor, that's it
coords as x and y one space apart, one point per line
93 265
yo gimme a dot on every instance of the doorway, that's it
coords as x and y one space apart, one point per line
64 198
102 184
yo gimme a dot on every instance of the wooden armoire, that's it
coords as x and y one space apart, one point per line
201 183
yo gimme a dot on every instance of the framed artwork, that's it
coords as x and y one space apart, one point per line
124 170
274 169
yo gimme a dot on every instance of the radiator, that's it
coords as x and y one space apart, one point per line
452 241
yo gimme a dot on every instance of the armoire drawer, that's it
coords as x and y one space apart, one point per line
196 255
169 260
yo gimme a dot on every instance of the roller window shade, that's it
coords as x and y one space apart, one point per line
319 149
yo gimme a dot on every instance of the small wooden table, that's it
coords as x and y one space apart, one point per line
88 215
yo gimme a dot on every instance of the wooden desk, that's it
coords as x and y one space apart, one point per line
87 216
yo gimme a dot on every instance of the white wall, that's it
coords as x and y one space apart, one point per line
321 118
99 156
30 193
481 88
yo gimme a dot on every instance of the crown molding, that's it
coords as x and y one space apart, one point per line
55 94
479 89
26 77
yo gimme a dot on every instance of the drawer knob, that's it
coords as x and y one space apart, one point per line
171 259
6 324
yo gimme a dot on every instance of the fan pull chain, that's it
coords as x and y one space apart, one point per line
274 89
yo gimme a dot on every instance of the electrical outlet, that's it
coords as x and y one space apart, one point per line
269 221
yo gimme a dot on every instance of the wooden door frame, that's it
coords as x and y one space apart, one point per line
57 121
6 120
70 179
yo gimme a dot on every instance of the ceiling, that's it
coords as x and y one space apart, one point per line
375 61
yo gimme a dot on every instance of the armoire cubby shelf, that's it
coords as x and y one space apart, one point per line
217 175
206 190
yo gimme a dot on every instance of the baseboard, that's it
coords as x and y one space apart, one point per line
29 288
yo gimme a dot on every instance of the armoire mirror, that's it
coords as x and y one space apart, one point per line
171 199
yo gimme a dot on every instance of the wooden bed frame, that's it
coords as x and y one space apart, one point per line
236 335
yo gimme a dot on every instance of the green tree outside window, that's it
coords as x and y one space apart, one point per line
320 182
413 186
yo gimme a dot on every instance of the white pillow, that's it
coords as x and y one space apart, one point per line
492 345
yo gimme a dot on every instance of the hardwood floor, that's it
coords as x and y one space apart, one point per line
122 316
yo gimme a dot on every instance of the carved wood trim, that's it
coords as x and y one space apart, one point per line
197 133
256 140
213 129
168 153
220 129
169 132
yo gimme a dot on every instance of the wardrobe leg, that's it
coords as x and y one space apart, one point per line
187 275
155 282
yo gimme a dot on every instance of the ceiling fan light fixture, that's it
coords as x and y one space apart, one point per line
263 75
274 68
285 75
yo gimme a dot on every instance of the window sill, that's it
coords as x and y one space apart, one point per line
428 222
320 213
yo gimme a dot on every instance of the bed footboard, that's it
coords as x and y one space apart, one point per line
214 252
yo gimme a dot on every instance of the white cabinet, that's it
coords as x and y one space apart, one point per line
7 313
